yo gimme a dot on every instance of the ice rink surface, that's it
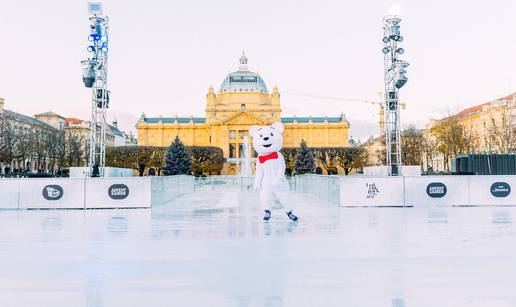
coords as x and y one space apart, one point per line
211 248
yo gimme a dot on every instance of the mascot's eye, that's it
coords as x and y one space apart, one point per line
272 134
261 135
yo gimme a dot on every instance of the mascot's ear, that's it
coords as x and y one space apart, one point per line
253 130
278 126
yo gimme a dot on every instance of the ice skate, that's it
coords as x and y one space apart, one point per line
292 216
267 215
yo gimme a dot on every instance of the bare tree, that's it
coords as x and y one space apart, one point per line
25 146
9 137
351 158
74 149
327 157
450 138
501 132
411 146
40 149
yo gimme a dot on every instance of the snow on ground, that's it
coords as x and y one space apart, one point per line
211 248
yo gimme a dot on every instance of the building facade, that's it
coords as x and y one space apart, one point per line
489 127
30 145
242 101
21 143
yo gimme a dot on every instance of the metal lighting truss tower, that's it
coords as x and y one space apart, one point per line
395 78
95 77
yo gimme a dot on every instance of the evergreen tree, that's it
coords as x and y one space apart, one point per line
178 160
305 163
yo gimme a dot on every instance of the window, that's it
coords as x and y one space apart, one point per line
240 150
242 106
232 152
232 135
243 133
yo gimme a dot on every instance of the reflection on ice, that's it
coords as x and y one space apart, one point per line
212 248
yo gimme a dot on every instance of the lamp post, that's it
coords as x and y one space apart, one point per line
395 78
95 77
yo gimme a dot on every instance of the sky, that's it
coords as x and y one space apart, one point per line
164 55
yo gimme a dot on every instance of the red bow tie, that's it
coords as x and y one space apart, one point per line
273 155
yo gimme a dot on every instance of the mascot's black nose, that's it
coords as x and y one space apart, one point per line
266 138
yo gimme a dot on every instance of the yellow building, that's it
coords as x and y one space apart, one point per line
242 101
488 127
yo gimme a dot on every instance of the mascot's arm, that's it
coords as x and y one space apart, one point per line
258 176
281 167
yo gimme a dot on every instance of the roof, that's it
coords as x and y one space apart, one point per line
115 130
49 113
243 80
478 108
27 119
472 110
170 120
73 120
202 120
296 119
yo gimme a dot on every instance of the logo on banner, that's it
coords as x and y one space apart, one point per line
52 192
372 190
500 189
118 191
436 189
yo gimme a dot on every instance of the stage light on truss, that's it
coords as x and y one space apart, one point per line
88 72
399 74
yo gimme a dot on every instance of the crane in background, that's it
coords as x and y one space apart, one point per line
380 104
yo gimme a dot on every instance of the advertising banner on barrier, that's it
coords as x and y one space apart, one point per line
371 191
437 190
118 192
9 193
51 193
492 190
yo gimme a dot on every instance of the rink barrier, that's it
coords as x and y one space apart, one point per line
166 188
384 191
75 193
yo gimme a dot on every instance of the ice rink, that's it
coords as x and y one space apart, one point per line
211 248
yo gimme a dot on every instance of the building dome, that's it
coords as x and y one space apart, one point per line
243 80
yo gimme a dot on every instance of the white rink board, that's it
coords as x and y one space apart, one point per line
371 191
118 192
9 193
61 193
437 191
481 195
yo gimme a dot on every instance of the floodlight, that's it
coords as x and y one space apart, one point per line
400 50
91 48
95 8
88 73
385 50
392 28
399 74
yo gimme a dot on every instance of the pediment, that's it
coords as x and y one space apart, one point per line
243 118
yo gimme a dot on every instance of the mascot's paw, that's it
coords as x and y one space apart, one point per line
267 215
292 216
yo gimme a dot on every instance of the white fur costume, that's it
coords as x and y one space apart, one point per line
270 166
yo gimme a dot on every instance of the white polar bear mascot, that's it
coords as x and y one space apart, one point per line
270 169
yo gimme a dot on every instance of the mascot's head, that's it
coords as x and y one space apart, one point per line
267 139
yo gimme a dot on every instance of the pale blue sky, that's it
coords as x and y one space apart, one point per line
165 54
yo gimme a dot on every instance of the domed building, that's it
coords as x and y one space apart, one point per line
242 101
